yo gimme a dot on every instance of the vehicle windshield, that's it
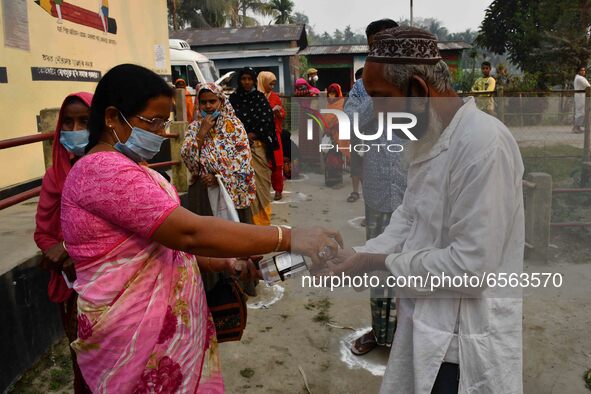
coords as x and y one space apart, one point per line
208 70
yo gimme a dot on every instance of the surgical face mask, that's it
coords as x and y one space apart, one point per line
75 141
215 113
314 78
141 144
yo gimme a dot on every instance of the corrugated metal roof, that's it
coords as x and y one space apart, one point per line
334 49
363 48
244 35
453 45
250 53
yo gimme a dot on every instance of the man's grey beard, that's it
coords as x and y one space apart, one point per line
415 149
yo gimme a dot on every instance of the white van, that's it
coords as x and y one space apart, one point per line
189 65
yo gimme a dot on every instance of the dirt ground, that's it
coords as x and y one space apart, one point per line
292 335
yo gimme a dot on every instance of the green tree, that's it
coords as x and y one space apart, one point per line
215 13
326 38
301 18
237 11
435 27
348 34
549 38
195 13
468 36
282 11
338 36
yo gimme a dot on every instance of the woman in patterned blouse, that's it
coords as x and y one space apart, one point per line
217 143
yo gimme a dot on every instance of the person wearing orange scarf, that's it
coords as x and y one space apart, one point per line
181 84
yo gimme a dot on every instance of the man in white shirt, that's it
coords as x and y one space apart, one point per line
462 214
580 83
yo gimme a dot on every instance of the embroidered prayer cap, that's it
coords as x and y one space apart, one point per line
404 45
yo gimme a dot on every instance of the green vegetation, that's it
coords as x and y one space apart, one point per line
247 373
323 308
563 162
549 37
53 372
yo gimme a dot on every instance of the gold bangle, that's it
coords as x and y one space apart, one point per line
279 238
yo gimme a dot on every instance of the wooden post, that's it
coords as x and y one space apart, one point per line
180 108
538 211
520 109
587 139
180 171
501 97
46 124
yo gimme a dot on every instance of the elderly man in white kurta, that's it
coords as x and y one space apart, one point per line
580 83
462 213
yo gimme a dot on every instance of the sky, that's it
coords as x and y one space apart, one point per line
328 15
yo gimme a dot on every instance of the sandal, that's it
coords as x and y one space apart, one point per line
364 344
354 196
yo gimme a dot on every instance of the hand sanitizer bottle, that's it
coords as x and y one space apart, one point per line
283 266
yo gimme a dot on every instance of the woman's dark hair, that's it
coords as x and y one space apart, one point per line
128 87
378 26
359 73
246 70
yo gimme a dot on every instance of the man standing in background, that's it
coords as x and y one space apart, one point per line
580 83
486 83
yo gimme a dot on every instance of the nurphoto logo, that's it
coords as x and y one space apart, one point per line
387 121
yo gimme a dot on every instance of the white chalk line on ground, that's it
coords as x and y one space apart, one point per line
302 178
290 198
356 223
374 362
267 296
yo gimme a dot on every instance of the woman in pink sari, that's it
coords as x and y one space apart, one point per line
143 321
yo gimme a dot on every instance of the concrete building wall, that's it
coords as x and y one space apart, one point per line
42 61
30 322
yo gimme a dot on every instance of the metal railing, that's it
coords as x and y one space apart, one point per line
539 193
176 136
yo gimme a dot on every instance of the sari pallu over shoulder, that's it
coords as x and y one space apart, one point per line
144 324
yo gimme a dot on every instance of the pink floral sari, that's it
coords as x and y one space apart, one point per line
144 323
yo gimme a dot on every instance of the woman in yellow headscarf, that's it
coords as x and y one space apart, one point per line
266 84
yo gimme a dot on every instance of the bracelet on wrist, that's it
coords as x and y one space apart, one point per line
279 238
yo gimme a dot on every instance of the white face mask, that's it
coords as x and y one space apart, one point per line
315 78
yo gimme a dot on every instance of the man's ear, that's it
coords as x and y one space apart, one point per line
417 87
418 95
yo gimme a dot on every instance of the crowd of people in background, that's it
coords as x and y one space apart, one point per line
137 317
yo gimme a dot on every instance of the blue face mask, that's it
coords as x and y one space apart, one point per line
215 113
141 144
75 141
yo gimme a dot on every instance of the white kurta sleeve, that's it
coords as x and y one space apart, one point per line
393 237
482 207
